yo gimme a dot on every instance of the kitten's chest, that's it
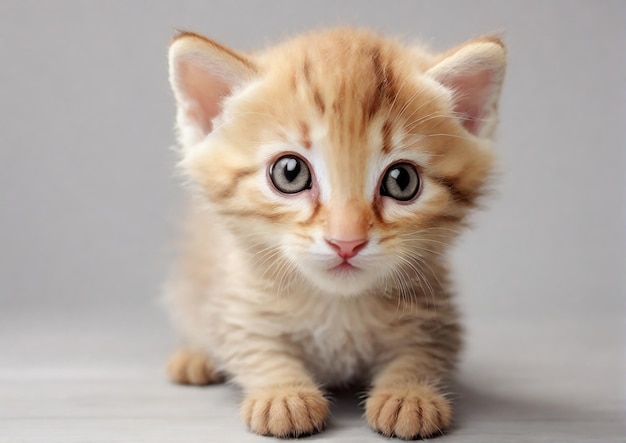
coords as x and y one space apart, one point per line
339 340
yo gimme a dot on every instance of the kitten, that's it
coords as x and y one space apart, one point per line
331 174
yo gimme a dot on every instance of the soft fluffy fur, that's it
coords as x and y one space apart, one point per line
253 297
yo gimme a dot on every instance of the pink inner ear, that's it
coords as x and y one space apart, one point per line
471 96
203 92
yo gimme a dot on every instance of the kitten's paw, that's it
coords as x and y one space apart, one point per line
285 411
191 368
409 412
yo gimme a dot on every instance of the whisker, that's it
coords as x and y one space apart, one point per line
395 99
419 108
410 101
443 134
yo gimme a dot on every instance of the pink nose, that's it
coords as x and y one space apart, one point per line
346 248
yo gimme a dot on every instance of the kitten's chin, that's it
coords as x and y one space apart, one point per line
342 280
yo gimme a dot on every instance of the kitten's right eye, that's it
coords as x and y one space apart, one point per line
290 174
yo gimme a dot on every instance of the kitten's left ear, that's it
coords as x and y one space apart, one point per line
202 74
474 73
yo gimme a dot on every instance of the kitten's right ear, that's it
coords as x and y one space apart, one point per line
202 74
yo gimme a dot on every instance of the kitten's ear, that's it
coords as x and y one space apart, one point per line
202 74
474 73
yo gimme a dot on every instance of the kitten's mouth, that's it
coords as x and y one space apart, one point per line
344 268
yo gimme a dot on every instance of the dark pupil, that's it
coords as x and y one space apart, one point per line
292 169
401 176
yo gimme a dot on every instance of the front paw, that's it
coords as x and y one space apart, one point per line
408 412
285 411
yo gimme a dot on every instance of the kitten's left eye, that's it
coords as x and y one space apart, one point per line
290 174
401 182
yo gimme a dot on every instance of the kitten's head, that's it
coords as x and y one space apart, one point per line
341 157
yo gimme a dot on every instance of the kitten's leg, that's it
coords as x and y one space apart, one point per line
192 367
405 400
280 398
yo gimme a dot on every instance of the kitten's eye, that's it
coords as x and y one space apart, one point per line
290 174
401 182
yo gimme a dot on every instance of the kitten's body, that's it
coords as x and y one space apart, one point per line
272 291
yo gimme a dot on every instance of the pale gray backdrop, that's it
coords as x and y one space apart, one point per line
89 207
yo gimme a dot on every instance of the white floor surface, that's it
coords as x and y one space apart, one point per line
98 377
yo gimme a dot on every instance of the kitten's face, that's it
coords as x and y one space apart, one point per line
340 162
